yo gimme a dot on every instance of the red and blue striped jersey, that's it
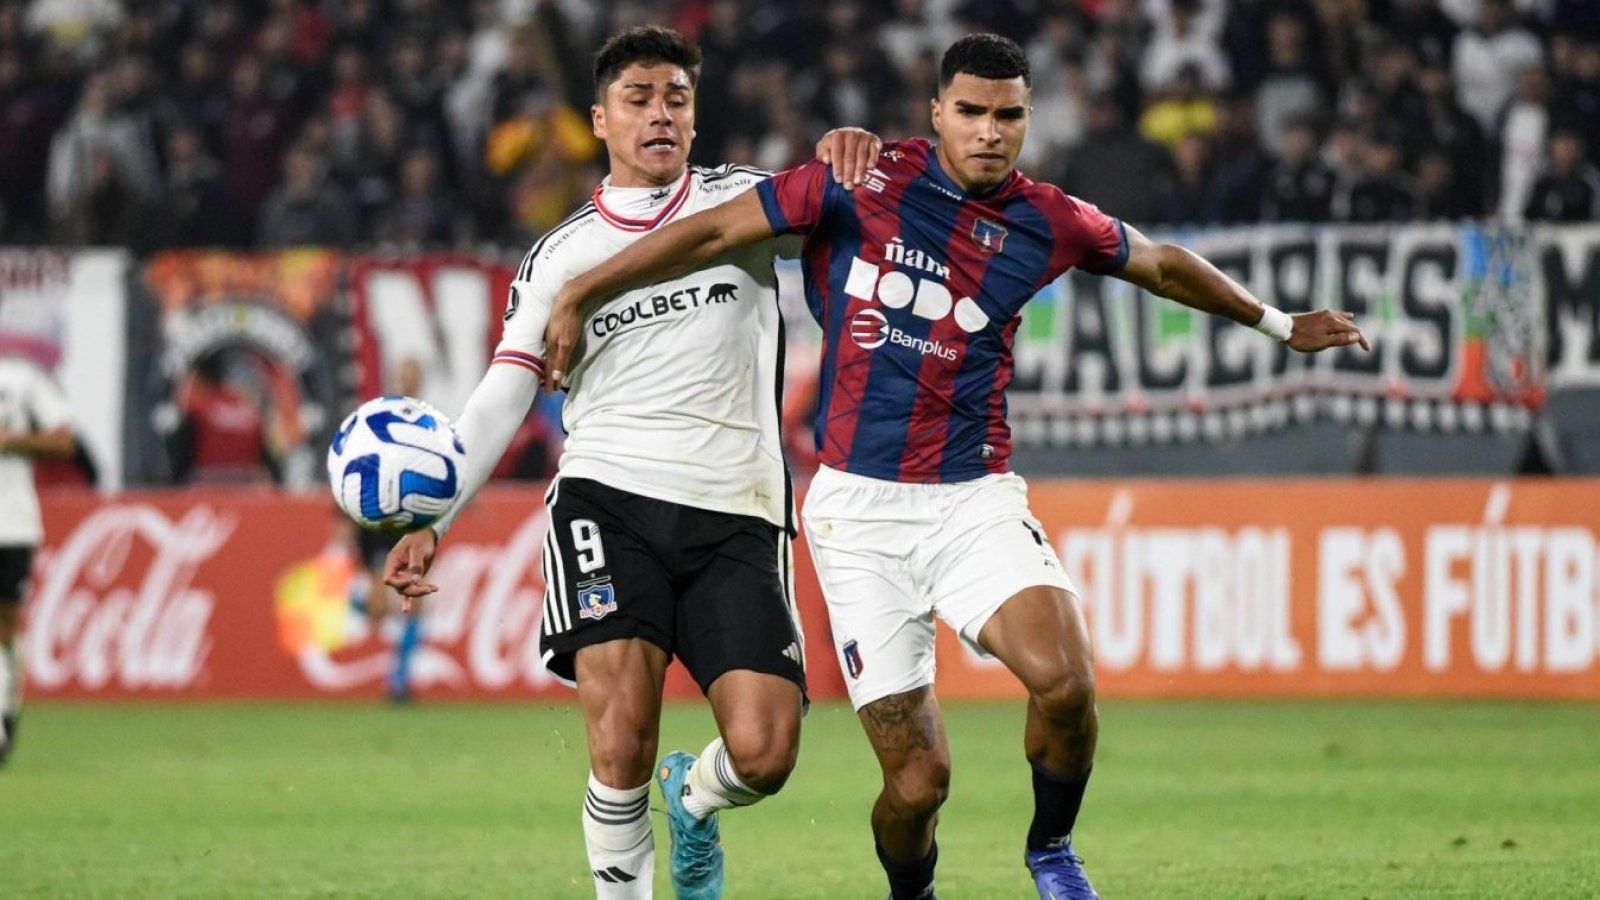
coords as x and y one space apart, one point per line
918 287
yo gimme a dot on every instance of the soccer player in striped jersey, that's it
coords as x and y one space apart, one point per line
917 277
671 513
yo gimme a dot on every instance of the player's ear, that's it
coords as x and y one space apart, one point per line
597 120
935 115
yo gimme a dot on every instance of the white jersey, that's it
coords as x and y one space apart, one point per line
29 402
676 390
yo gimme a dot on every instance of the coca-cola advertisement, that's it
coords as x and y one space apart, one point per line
233 593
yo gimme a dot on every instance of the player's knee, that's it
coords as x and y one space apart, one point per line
763 762
622 757
917 792
1067 698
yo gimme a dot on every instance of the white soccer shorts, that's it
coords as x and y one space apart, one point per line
891 556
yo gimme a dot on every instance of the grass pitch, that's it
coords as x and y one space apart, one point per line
1189 800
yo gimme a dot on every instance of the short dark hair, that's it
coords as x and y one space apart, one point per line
644 44
986 56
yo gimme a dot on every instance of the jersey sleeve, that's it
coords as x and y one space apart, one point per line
1090 239
528 306
796 200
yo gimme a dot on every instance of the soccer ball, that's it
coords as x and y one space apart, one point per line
394 464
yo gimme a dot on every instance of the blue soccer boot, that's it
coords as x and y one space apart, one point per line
1058 873
696 843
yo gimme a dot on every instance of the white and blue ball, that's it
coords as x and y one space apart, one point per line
395 464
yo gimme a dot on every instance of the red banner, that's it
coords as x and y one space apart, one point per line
1361 588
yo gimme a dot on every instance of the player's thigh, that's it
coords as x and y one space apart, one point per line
1041 636
737 613
990 550
603 578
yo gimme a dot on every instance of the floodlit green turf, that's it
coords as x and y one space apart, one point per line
1190 800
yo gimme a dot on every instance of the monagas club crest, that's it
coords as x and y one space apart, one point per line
989 236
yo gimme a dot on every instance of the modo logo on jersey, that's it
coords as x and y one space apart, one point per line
927 298
647 308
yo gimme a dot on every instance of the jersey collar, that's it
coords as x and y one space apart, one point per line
640 208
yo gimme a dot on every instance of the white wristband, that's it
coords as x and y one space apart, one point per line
1275 324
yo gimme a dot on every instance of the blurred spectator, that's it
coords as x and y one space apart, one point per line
850 89
1441 194
1444 128
1291 84
424 213
1299 188
541 152
1575 96
306 210
1389 78
917 27
1569 191
1179 41
102 172
1181 112
221 437
1488 58
1248 43
1422 27
29 114
1115 167
75 25
194 212
254 134
1241 163
1183 192
1383 192
1522 139
198 94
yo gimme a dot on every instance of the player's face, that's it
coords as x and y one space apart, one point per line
647 122
981 123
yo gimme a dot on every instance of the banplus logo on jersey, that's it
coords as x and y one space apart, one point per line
922 296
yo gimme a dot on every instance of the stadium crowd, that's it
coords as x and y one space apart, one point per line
436 123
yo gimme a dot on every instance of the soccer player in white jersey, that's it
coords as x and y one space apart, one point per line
918 279
670 515
33 422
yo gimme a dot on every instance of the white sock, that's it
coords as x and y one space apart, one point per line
714 785
616 831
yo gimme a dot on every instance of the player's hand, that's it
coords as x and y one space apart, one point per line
560 339
851 151
408 564
1314 331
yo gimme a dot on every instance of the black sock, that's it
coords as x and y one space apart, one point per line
910 881
1056 801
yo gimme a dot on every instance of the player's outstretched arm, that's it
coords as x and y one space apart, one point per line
681 247
1175 273
486 425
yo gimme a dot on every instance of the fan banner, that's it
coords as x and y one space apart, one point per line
1456 344
1248 588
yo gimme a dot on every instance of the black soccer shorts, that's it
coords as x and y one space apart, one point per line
711 588
16 564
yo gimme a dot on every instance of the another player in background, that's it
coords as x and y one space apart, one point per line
918 278
370 595
670 515
34 422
